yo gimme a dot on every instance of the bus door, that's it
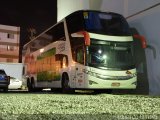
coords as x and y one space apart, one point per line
79 74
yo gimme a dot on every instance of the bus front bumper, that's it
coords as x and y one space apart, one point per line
94 83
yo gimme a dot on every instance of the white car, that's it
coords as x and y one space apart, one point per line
15 83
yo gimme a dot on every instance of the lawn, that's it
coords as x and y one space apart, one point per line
78 106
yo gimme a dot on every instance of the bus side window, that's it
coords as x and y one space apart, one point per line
63 60
80 55
77 44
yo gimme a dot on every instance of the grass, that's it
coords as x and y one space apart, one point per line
79 106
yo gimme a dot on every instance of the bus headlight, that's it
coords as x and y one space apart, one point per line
92 82
134 75
108 77
134 83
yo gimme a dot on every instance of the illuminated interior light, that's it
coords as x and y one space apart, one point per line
8 47
41 50
104 56
99 51
64 65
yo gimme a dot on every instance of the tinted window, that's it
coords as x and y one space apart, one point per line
98 22
57 32
52 35
77 47
106 23
75 22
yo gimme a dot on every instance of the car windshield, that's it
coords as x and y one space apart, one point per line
2 72
110 55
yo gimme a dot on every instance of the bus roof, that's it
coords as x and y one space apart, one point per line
79 12
72 14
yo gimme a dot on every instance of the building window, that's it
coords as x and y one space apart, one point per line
9 60
10 48
10 35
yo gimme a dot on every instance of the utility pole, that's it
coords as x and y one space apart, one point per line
32 32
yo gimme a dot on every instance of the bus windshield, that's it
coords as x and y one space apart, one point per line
106 23
110 55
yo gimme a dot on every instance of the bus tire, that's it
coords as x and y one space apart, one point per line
65 84
33 88
29 86
99 91
56 90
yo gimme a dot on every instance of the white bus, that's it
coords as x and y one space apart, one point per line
86 50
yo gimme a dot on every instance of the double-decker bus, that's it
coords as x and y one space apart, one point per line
86 50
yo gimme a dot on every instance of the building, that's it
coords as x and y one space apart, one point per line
9 43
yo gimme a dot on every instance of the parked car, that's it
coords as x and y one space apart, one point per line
15 83
4 80
15 71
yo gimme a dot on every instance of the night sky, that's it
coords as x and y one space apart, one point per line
37 14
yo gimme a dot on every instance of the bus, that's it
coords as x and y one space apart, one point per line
86 50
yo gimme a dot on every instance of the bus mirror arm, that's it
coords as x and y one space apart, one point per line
151 47
144 45
142 39
86 37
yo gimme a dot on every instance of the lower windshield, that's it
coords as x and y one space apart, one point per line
110 55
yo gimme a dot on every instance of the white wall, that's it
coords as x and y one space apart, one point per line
66 7
95 4
135 6
148 25
113 6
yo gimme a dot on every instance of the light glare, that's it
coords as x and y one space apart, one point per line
41 50
104 56
99 51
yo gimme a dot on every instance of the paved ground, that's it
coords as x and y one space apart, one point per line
48 105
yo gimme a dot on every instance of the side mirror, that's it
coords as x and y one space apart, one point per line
86 38
84 34
142 39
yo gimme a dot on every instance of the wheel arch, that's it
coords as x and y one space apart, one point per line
64 74
62 78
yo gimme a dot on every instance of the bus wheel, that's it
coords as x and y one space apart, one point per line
109 91
29 86
65 84
33 88
99 91
57 90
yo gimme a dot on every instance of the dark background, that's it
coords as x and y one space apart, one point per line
37 14
26 14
